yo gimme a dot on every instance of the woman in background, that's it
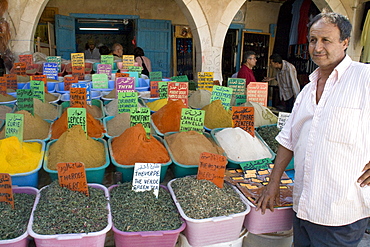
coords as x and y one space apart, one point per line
142 61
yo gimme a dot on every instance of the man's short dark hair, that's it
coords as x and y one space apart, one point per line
247 54
276 58
341 21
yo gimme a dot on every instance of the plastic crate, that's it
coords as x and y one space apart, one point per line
30 178
128 170
21 241
93 175
146 238
91 239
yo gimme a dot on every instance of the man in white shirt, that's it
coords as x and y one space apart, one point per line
92 52
328 132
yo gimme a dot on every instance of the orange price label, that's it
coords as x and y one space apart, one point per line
78 97
212 167
122 75
19 68
6 192
42 78
78 71
27 59
68 82
72 175
11 81
243 117
154 93
2 86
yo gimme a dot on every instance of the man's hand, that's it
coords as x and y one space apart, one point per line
269 195
365 177
268 78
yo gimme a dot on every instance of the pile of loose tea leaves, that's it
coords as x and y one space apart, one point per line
201 199
142 211
62 211
13 222
268 134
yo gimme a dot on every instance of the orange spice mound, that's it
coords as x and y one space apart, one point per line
94 127
167 119
133 146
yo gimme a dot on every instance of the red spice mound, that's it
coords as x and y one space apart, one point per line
167 119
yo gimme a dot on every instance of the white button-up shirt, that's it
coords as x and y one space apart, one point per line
331 145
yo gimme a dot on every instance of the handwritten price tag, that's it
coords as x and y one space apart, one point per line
14 125
146 177
6 192
192 119
73 176
212 167
243 117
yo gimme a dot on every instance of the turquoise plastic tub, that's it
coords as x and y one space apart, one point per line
50 86
128 170
93 175
96 102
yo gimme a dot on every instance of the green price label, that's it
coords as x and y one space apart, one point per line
77 116
180 78
237 84
240 99
38 90
25 100
14 125
192 119
142 116
126 101
100 81
163 89
135 69
107 59
155 76
222 93
256 164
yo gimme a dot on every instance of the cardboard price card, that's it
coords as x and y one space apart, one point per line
222 93
6 192
178 90
78 59
72 175
212 168
105 69
155 75
14 125
192 119
55 59
100 80
283 117
51 70
107 59
11 81
257 92
125 84
42 78
127 61
19 69
122 75
78 71
146 177
68 80
77 116
205 80
141 115
256 164
3 86
163 89
27 59
126 101
86 85
25 100
237 84
243 117
78 97
38 90
154 91
180 78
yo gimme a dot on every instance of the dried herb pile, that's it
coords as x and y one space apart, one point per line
13 222
268 134
201 199
142 211
62 211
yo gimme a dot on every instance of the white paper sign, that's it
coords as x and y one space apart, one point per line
146 177
283 117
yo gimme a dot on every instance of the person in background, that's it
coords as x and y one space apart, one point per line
142 61
104 50
328 132
92 52
117 50
246 72
286 76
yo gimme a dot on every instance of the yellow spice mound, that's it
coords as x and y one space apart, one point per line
17 157
216 116
157 104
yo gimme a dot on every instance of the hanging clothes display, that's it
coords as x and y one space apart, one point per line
303 21
283 29
293 36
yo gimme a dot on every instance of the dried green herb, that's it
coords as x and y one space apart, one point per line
13 222
201 199
268 134
62 211
142 211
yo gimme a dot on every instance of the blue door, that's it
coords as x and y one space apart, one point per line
154 36
65 36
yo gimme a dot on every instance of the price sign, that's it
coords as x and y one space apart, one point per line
14 125
222 93
100 80
55 59
27 59
212 168
137 69
178 90
283 117
237 84
38 91
107 59
154 92
19 68
180 78
257 92
79 72
72 175
122 75
136 76
205 80
125 84
6 192
240 99
42 78
25 100
78 97
51 70
77 116
88 90
3 86
163 89
127 61
78 59
105 69
243 117
141 115
126 101
68 80
155 75
192 119
256 164
146 177
11 81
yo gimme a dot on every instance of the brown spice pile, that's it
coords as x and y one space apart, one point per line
74 146
167 119
118 124
186 147
45 110
216 116
4 110
50 97
94 110
6 98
